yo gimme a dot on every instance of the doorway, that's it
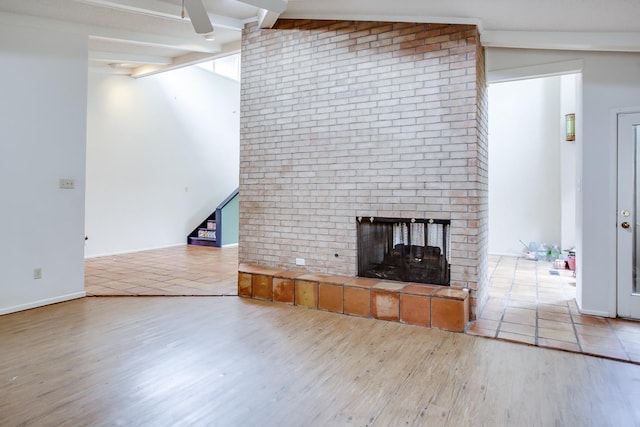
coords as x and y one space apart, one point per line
532 168
628 245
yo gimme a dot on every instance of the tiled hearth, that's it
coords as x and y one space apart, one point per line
417 304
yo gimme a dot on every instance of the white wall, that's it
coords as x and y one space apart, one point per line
162 152
524 164
568 94
609 81
43 127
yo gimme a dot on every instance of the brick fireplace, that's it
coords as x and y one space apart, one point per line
343 119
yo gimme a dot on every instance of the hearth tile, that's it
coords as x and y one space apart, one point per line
330 297
415 309
451 293
247 268
315 277
289 274
361 282
283 290
258 269
335 280
449 314
419 289
385 305
244 284
388 285
262 287
357 301
306 293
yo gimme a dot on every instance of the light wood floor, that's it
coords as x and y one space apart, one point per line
527 304
227 361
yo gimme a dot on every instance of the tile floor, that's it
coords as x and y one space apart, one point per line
178 271
528 304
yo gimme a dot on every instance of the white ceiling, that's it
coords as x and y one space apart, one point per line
143 36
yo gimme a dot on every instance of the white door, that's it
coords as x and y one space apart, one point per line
629 215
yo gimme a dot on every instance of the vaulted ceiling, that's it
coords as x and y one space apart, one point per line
139 37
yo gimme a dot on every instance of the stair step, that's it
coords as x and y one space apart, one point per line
204 233
202 241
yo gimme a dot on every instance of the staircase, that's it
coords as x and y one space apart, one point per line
210 231
206 233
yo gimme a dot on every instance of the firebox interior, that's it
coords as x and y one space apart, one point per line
407 250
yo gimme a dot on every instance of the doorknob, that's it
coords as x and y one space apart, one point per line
625 225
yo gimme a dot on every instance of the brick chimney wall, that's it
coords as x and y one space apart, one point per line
341 119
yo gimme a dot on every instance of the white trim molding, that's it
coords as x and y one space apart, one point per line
43 302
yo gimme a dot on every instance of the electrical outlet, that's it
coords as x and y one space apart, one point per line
67 183
37 273
301 261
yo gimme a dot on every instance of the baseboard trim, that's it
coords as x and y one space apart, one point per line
42 302
133 251
595 313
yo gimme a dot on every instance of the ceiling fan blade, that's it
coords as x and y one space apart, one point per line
198 16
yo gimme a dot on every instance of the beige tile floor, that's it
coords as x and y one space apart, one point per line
528 304
179 271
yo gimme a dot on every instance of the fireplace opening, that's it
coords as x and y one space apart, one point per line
407 250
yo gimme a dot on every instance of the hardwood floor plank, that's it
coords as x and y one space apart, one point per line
235 362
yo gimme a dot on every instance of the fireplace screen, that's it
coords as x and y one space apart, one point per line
408 250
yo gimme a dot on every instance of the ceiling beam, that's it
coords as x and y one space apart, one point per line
145 39
267 18
196 44
388 18
128 58
559 40
163 9
276 6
